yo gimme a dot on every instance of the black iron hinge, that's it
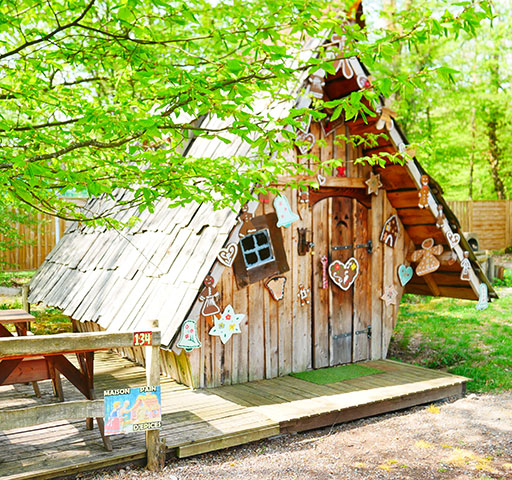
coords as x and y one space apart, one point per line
368 246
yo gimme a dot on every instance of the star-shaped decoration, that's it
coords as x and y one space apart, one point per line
373 183
227 324
389 295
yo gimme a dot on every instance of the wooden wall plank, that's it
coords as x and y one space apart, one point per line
376 223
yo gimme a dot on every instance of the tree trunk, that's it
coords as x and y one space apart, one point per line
495 158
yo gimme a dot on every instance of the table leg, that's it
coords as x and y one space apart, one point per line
55 376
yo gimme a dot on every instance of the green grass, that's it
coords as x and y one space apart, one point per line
324 376
48 320
14 279
450 334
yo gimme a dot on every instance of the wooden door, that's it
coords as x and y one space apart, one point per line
340 318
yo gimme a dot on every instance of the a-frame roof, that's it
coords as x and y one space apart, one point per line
155 269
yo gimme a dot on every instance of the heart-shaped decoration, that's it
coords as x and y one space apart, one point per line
453 238
307 141
404 274
321 179
344 274
227 255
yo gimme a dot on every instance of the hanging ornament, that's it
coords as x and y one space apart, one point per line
405 274
227 324
303 295
408 150
227 255
423 192
275 286
341 171
440 217
324 261
365 83
427 257
285 216
247 225
386 116
321 179
316 85
344 274
208 296
189 340
453 238
373 183
390 231
389 295
466 267
483 299
303 196
305 142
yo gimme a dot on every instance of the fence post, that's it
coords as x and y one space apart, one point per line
24 298
154 446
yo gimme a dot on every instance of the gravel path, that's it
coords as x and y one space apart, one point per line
469 438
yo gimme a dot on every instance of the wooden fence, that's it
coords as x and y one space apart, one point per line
490 220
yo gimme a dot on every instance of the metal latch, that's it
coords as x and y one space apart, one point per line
368 246
367 331
342 335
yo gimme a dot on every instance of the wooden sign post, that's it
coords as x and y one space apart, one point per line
154 446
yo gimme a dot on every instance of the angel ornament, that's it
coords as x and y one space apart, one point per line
386 116
466 267
208 296
427 257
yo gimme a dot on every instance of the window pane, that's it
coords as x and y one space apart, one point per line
251 258
265 253
261 238
248 242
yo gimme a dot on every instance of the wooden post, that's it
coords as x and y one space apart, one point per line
154 446
24 298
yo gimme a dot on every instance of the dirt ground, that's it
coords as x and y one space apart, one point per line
468 438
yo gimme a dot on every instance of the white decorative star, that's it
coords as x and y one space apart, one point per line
227 324
389 295
373 183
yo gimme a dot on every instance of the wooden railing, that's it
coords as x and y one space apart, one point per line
48 346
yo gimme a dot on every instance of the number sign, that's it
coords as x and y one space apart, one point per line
142 339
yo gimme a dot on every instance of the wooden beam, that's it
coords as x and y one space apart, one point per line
27 417
432 285
31 346
339 182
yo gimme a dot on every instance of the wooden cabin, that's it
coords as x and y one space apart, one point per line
304 280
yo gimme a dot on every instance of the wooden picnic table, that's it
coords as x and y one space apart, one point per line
20 318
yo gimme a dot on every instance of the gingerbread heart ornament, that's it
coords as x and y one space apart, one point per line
344 274
453 238
227 255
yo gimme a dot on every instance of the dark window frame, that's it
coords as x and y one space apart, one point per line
245 276
257 249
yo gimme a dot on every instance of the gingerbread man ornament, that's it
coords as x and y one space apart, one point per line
208 296
423 193
247 225
427 257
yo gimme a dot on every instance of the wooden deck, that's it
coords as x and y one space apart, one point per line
197 421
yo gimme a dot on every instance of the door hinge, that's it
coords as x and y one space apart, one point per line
342 335
368 246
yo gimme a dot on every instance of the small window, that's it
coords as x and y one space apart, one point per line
257 249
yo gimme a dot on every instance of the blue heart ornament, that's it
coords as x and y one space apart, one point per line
404 274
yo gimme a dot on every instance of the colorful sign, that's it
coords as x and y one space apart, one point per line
132 410
142 339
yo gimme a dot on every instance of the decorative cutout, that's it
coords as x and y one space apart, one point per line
342 63
386 116
423 192
466 267
227 324
344 274
306 142
263 198
208 296
275 286
390 231
365 83
285 216
316 86
373 183
303 196
408 150
321 179
189 339
389 295
341 171
440 217
426 256
227 255
405 274
453 238
303 295
247 225
483 299
324 261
